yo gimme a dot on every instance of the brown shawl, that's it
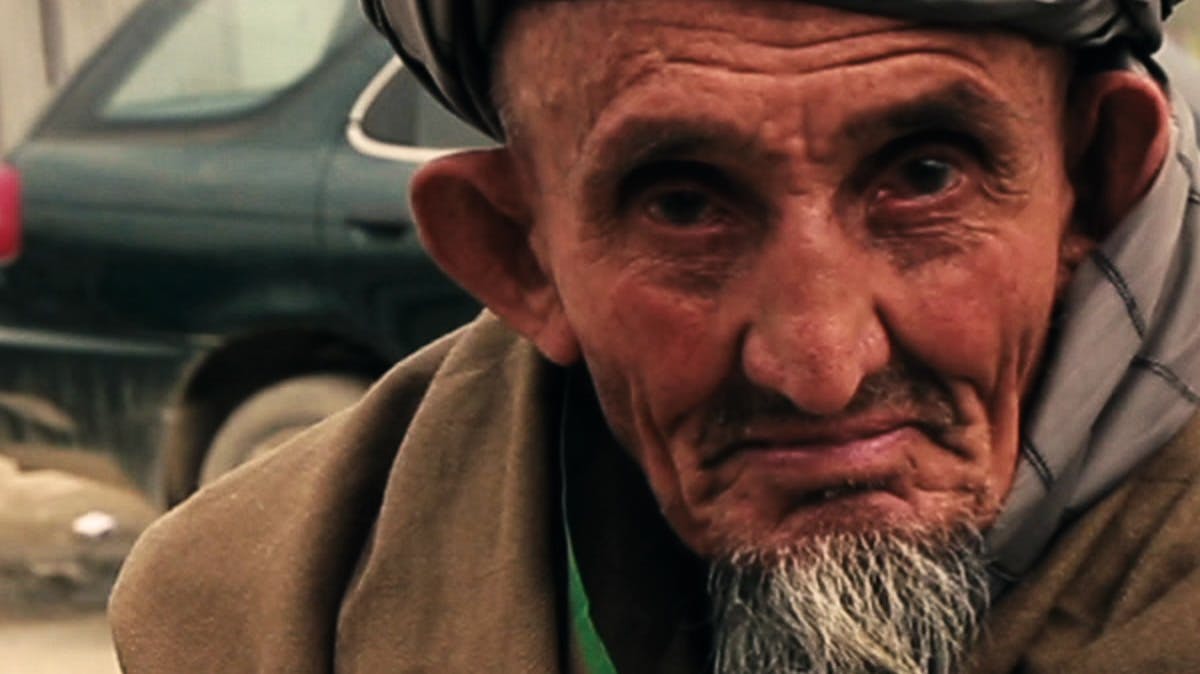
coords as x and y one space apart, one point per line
418 532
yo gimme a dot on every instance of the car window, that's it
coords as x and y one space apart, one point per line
436 127
389 118
402 113
1184 27
224 57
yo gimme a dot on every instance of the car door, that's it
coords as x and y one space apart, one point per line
170 198
375 259
184 174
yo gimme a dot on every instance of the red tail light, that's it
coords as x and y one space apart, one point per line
10 214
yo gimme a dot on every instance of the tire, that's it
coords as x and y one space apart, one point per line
273 414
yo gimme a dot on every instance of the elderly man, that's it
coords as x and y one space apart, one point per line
817 341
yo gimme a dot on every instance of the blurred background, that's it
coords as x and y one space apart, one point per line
48 621
205 246
41 43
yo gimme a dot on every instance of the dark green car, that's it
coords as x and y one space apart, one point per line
216 242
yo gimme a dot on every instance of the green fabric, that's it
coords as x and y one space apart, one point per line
594 653
587 637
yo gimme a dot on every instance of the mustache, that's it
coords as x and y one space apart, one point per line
902 389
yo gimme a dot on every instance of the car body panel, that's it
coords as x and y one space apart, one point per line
152 245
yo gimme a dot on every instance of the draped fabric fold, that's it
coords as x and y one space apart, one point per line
1123 373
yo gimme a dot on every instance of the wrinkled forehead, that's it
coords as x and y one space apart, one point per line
449 44
566 66
597 40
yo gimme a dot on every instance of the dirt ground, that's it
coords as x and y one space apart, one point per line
74 643
62 540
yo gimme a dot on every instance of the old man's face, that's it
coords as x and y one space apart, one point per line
809 257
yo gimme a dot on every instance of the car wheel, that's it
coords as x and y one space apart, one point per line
274 414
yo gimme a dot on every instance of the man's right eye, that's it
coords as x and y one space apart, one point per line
682 207
680 194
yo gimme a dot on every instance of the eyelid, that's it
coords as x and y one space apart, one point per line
644 178
721 183
897 148
885 159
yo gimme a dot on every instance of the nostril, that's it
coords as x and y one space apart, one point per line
820 381
818 363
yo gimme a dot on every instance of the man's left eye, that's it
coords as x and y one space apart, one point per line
918 178
926 176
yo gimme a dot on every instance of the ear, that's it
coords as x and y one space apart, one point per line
475 219
1118 132
1117 135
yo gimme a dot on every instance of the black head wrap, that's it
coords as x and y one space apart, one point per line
446 43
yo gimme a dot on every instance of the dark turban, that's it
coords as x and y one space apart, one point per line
447 43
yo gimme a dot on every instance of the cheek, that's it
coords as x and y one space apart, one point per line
981 318
981 324
654 353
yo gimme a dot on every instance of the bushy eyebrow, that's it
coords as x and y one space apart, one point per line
643 142
647 140
958 106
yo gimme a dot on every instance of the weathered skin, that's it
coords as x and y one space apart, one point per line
799 249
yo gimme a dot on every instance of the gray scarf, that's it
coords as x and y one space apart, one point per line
1123 374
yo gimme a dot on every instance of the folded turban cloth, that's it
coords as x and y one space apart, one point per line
446 43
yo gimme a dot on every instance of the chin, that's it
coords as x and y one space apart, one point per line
767 532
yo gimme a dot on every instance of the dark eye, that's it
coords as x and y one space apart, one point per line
918 178
683 194
926 175
681 207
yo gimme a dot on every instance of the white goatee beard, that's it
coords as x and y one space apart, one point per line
873 602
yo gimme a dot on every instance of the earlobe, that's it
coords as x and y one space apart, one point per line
1118 133
1074 249
475 220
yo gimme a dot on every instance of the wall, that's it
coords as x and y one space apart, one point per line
41 43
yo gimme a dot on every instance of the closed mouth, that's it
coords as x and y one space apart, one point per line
812 439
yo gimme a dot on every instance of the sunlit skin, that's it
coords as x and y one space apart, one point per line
809 257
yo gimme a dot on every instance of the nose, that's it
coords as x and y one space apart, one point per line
815 330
